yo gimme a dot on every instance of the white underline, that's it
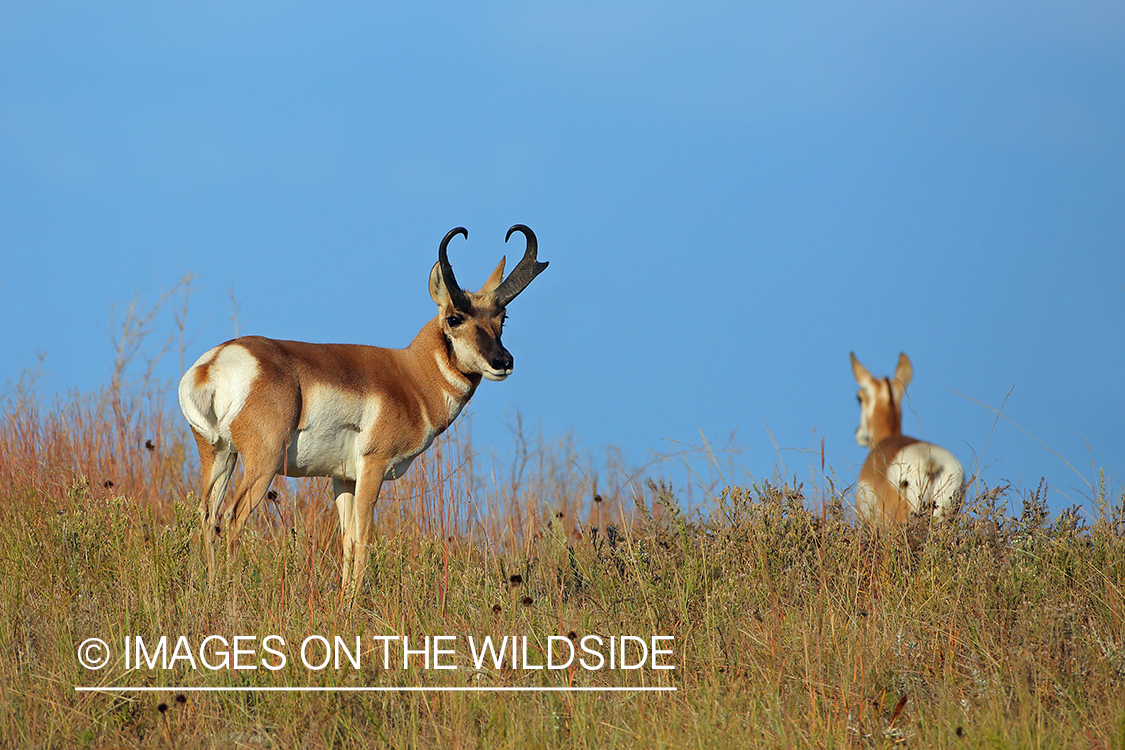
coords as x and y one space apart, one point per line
371 689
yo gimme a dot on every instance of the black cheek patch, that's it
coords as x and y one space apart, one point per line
486 342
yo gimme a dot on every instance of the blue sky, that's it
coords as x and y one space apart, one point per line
732 197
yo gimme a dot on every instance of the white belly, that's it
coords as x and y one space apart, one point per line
328 442
323 453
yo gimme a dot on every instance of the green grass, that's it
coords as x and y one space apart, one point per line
793 628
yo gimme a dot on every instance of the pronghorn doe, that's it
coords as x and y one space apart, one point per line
901 476
357 414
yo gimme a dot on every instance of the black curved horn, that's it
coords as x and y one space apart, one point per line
456 295
527 269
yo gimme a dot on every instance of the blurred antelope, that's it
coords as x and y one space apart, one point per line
357 414
901 475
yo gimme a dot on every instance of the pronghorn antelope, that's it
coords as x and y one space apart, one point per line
357 414
901 475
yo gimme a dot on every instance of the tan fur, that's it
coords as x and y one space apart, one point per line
201 374
894 509
411 392
402 399
900 473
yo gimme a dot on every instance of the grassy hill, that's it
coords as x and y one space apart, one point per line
792 627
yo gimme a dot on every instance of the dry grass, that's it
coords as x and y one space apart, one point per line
793 628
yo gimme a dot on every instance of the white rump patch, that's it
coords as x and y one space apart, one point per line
926 475
211 406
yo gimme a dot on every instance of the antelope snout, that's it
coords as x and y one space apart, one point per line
502 362
862 437
499 365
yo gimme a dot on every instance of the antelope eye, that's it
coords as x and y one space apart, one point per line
454 320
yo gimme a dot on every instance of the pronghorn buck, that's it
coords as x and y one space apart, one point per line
901 475
357 414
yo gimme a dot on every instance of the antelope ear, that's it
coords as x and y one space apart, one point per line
494 280
904 373
862 375
439 292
